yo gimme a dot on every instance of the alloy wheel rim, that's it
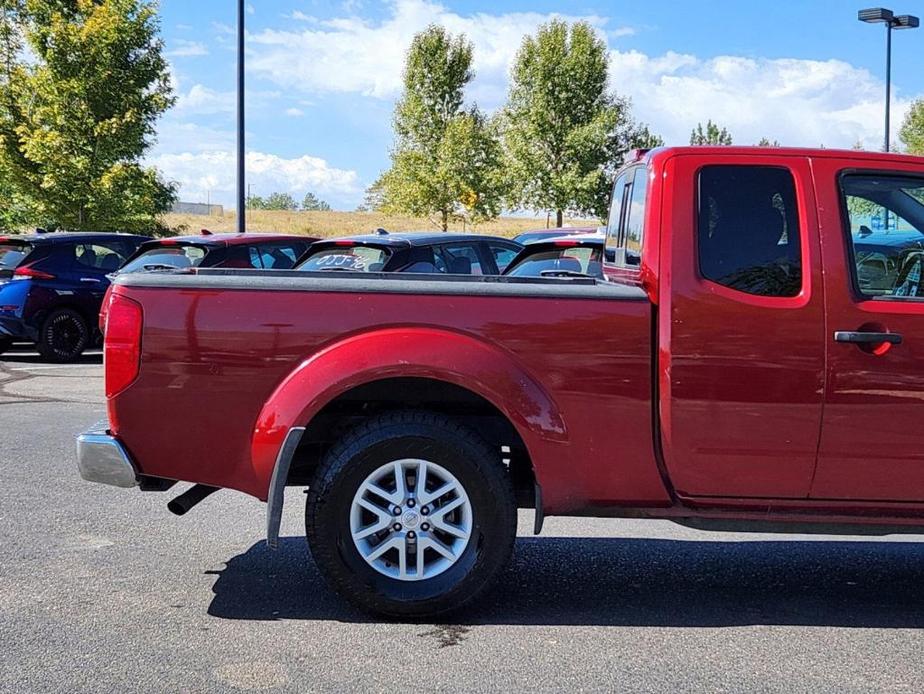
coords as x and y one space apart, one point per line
66 336
411 519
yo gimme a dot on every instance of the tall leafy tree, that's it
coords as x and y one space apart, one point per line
564 131
712 134
79 114
912 131
446 159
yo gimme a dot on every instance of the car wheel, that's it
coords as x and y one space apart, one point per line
64 336
411 515
5 344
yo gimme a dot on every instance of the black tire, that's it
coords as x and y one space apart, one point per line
5 344
64 336
391 437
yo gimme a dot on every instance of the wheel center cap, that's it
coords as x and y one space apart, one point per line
411 518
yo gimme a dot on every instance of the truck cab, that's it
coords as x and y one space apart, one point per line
789 331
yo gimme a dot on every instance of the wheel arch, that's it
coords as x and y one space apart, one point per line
404 367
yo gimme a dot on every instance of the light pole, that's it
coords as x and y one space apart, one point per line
241 202
880 15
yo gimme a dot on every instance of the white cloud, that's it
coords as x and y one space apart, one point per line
210 175
181 48
798 102
294 112
203 100
350 54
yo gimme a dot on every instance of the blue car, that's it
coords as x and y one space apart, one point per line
52 286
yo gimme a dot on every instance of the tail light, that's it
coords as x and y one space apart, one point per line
30 273
104 310
122 347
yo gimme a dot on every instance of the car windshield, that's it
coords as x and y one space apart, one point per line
579 259
165 258
12 254
347 258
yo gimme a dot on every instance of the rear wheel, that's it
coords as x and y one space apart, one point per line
64 336
411 515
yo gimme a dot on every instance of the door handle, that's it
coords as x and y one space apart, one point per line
867 338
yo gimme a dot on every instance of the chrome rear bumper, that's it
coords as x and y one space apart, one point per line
102 458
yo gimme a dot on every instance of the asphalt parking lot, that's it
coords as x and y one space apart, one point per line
103 590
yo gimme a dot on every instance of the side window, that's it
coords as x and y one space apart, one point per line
243 257
423 259
635 219
886 215
97 257
461 259
748 233
503 256
613 225
278 256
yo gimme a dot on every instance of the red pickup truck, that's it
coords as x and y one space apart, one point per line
754 359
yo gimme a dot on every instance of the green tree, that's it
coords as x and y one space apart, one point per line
712 134
280 201
311 203
255 202
374 198
447 158
912 130
564 131
767 142
78 114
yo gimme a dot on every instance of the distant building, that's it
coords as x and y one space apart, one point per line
198 208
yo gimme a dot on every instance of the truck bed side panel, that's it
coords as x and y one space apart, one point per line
213 356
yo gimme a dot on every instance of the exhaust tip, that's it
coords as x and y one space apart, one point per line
192 496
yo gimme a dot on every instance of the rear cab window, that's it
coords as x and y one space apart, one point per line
166 258
886 233
748 235
626 223
353 258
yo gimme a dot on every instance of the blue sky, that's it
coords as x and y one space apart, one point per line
323 76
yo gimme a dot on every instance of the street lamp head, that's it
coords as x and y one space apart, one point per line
876 15
906 21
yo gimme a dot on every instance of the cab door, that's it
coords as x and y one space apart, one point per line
741 326
872 447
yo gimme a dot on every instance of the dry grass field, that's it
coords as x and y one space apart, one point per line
327 224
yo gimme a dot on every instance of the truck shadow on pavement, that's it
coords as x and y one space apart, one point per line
628 582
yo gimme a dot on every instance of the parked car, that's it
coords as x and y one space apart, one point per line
251 250
732 372
52 285
545 234
256 251
420 252
579 255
